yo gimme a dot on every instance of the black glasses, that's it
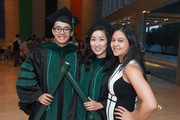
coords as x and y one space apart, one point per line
65 30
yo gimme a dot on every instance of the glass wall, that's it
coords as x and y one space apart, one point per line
110 6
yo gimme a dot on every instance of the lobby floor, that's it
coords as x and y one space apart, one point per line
167 94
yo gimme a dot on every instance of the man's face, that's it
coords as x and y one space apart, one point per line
62 33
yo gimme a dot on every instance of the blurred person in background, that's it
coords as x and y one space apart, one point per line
15 48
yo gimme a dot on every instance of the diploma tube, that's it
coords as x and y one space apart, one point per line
53 89
81 93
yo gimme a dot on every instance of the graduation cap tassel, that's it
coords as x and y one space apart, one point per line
73 29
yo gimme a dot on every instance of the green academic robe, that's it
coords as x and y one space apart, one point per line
37 75
95 84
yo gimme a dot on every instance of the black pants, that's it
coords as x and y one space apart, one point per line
17 57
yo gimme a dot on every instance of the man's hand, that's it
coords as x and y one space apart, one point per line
45 99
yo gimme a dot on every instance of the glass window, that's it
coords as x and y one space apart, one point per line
128 1
108 7
111 6
104 8
117 3
122 3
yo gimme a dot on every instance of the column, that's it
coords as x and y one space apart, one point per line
38 18
76 9
62 3
140 26
51 7
11 8
178 65
2 17
91 11
25 18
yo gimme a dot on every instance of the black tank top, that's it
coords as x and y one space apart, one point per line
121 93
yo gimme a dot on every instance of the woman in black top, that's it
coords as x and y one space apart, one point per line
128 80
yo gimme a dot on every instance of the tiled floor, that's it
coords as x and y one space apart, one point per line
168 98
167 94
9 109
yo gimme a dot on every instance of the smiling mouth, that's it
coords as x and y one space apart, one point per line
116 49
61 37
97 49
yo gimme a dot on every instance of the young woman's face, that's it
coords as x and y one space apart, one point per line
98 43
119 44
62 33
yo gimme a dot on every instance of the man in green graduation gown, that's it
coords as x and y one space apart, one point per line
41 67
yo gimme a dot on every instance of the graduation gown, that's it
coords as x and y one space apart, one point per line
37 75
95 84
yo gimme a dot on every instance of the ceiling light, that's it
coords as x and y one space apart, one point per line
166 19
145 11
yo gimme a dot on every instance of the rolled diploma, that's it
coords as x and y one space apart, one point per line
53 89
81 93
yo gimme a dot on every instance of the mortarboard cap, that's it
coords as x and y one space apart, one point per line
102 22
63 15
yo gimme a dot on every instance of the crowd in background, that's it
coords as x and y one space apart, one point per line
21 48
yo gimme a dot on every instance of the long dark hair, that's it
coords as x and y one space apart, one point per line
91 56
134 47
